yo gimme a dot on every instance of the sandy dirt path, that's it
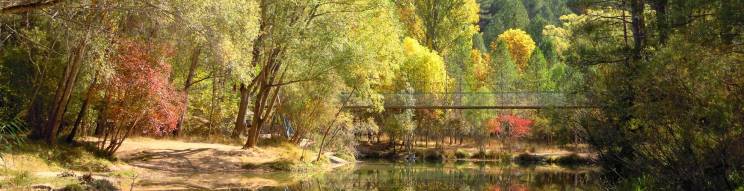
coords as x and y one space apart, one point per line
175 165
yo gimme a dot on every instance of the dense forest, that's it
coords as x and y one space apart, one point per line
662 80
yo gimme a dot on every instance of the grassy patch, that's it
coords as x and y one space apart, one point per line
22 180
288 157
346 155
278 165
15 179
36 157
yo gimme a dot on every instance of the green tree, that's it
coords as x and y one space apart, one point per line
443 22
504 15
505 73
538 73
654 124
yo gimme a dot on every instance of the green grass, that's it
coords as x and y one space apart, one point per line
289 158
17 178
35 156
346 155
21 164
23 180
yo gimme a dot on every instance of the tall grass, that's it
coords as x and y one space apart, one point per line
11 135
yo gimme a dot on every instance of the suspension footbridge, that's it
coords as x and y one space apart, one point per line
477 100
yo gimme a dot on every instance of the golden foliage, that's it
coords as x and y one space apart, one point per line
520 46
412 22
424 68
471 10
480 66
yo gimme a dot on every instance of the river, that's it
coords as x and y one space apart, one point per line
450 176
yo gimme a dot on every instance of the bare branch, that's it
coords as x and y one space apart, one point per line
26 7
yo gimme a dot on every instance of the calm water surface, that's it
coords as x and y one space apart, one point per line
450 176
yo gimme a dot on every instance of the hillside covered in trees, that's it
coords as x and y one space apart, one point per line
650 92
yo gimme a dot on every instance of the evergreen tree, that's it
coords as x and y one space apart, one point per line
505 14
505 73
537 75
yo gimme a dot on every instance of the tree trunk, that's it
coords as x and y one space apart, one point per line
638 24
186 87
242 110
83 110
262 111
102 121
64 91
662 20
267 95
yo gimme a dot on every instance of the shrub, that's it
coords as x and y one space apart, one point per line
484 154
279 165
101 184
527 159
462 154
73 187
346 155
284 165
573 159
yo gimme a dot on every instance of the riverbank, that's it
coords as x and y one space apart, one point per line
154 164
493 153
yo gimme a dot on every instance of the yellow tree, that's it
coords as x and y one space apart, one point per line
423 68
520 46
480 67
426 72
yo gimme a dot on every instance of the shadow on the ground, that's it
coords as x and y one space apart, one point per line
187 161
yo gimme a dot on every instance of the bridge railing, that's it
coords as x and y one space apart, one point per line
480 99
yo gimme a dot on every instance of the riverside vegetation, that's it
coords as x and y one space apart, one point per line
271 94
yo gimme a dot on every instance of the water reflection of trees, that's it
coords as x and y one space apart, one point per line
448 177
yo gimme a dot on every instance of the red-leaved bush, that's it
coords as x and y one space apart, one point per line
517 126
140 95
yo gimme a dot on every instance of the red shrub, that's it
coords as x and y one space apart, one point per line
139 90
518 127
